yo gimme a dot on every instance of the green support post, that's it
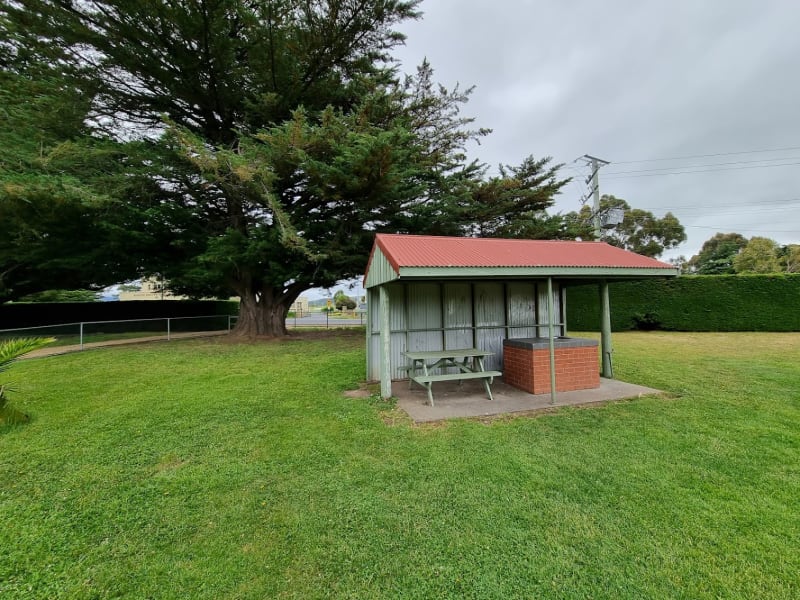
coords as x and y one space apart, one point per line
551 339
370 317
386 345
605 332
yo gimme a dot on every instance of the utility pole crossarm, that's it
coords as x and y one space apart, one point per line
596 164
594 159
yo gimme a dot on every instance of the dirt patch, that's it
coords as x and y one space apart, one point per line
393 417
365 390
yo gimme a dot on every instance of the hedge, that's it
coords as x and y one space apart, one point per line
692 303
18 315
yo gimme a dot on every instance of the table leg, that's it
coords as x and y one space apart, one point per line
428 385
479 361
413 371
488 389
430 393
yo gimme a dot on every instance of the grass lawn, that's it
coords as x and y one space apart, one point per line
204 469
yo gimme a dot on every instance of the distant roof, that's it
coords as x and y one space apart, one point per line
395 256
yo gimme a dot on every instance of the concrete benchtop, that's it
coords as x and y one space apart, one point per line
542 343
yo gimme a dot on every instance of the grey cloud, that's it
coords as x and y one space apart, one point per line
633 80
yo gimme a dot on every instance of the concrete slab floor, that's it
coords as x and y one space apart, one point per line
470 400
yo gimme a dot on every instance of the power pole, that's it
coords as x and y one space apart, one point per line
596 163
605 305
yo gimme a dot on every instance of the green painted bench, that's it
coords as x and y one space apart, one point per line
427 381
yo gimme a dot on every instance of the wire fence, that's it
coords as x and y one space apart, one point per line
90 332
97 332
327 320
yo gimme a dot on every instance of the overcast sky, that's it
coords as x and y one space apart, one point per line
631 81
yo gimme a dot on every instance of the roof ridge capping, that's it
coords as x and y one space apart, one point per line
486 239
403 250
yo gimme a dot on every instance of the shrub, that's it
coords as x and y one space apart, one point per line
646 321
11 351
61 296
693 303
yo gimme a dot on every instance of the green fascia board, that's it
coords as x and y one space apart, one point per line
557 272
382 272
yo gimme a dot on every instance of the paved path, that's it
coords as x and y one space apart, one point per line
54 350
310 320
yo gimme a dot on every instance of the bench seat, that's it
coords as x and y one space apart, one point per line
487 376
457 376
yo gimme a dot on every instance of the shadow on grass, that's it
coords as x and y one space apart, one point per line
11 417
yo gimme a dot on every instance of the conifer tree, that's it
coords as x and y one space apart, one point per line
275 138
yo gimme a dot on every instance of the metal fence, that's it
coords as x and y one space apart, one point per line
88 332
93 332
327 320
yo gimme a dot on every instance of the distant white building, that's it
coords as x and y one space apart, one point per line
299 306
153 289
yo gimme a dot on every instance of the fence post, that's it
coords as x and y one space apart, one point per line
229 323
327 316
81 336
167 328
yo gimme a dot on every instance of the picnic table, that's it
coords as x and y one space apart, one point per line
468 361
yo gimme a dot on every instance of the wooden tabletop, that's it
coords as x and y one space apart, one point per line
439 354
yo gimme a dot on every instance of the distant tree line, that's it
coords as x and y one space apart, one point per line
733 253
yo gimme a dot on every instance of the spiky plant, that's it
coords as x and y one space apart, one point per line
10 351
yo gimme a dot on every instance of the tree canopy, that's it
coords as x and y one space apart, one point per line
760 255
717 254
343 301
790 257
62 296
640 231
272 140
727 253
59 190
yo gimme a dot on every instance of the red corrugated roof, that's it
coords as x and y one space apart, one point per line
435 251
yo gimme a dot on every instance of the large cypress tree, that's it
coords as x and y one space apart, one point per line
59 217
281 137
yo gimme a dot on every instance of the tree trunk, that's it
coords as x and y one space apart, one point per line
262 315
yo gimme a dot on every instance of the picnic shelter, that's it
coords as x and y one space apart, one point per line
431 294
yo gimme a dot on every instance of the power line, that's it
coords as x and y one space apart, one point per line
753 203
627 162
775 213
737 162
743 228
702 171
763 206
724 211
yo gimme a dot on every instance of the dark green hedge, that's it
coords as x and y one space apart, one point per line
15 315
692 303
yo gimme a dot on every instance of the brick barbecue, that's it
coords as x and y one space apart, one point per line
526 364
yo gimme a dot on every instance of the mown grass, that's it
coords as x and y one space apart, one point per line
206 469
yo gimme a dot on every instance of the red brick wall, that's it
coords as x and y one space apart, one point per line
529 370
